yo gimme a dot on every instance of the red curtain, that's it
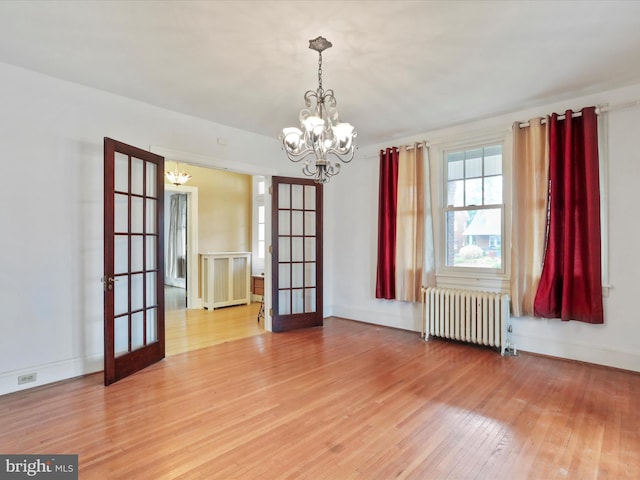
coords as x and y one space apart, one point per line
387 207
570 287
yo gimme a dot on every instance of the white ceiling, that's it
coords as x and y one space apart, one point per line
397 67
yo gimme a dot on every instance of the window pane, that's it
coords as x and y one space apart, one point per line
284 249
297 275
121 213
284 222
284 276
137 291
297 200
297 249
121 335
493 150
309 249
297 299
137 330
121 254
309 223
136 215
473 167
284 196
455 165
474 238
493 190
151 216
455 193
297 223
151 170
152 289
309 197
137 263
137 180
121 172
473 193
493 165
121 295
152 326
310 274
151 252
310 300
284 302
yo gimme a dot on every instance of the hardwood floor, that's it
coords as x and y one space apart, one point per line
187 330
347 401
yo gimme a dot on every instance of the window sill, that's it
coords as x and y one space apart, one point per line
478 282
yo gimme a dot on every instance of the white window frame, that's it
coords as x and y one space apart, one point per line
469 277
258 200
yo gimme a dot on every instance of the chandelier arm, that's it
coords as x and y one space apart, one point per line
308 95
299 156
335 153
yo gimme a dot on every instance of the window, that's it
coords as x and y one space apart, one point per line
474 211
259 219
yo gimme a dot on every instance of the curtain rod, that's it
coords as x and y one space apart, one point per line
421 144
599 109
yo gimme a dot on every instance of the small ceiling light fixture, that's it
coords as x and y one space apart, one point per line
177 177
322 132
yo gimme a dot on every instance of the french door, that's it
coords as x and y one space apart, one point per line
133 260
296 253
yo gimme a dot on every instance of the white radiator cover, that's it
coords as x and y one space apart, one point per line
469 316
225 279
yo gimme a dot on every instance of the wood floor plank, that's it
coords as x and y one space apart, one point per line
192 329
346 401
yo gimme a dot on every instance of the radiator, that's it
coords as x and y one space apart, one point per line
468 316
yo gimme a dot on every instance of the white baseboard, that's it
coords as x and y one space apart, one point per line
582 352
50 373
408 317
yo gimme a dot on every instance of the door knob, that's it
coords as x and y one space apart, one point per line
108 284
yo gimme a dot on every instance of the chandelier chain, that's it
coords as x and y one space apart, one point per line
320 72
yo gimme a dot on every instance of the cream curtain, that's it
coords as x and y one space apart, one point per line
410 224
429 262
529 213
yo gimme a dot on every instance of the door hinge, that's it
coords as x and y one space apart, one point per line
271 312
270 190
270 248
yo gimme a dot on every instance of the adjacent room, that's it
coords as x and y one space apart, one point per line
320 240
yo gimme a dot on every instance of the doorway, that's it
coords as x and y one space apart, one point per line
188 325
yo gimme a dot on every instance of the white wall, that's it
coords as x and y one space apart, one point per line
353 202
51 151
51 299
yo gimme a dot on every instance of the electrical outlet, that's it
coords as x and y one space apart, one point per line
28 378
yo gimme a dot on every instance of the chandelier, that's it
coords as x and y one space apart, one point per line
322 132
178 177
